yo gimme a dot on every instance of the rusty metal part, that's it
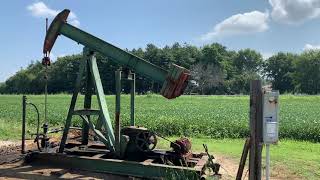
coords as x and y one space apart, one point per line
176 82
54 29
211 161
46 61
181 146
141 139
146 141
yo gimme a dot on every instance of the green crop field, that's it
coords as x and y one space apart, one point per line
204 118
197 116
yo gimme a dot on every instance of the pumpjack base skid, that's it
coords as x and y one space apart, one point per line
96 158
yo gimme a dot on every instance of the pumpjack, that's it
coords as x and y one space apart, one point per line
129 150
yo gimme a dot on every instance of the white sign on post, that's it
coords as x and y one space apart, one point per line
270 123
270 117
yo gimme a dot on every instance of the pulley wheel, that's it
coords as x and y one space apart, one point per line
146 141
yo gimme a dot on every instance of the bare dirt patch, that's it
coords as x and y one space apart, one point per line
229 168
10 151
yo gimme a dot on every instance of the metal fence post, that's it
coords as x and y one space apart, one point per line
132 94
117 112
24 104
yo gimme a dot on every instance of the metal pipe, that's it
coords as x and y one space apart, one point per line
117 112
132 96
46 95
38 125
23 139
46 85
267 161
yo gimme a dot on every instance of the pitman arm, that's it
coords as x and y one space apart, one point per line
174 81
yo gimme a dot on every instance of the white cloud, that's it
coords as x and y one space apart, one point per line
294 11
75 23
40 9
250 22
308 47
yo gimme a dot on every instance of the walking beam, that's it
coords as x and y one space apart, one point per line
174 80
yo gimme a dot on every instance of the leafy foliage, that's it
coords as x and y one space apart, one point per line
307 73
214 68
211 62
279 69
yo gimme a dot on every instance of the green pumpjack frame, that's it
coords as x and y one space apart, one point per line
93 81
174 82
144 169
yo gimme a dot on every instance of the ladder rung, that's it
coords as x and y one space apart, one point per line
86 112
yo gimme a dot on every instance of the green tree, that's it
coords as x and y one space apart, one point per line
307 72
278 69
248 60
213 54
243 66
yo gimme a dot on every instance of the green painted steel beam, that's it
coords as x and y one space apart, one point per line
174 80
96 131
104 116
114 53
72 105
115 166
87 98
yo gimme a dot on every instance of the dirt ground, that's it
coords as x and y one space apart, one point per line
13 167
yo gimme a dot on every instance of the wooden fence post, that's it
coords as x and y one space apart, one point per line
243 159
255 130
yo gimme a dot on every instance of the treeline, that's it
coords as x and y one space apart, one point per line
214 68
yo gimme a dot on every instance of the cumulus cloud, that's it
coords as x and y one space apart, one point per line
250 22
41 10
294 11
308 47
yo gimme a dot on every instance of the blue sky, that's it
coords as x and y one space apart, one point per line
266 26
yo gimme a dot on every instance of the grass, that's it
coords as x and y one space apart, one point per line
197 116
200 117
295 158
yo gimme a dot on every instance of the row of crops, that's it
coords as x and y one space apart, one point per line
212 116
